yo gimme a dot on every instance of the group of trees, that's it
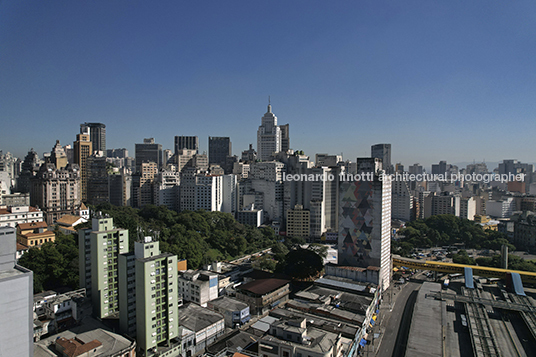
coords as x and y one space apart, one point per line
198 236
55 264
446 229
514 262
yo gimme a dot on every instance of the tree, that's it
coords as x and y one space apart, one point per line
463 258
54 265
302 264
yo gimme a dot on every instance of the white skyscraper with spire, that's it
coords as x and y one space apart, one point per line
268 136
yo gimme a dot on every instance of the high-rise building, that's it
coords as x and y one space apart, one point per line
99 249
218 150
298 222
56 192
383 152
148 298
83 148
268 136
58 156
402 200
168 185
120 188
185 158
186 142
365 221
29 167
16 300
97 134
285 138
229 193
249 155
119 153
208 192
143 185
148 152
97 181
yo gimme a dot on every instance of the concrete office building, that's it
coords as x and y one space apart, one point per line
97 134
148 152
268 136
186 142
298 222
327 160
365 222
99 249
98 190
229 193
208 193
29 167
148 301
383 152
285 137
83 148
218 150
401 200
120 185
185 158
168 185
249 215
16 300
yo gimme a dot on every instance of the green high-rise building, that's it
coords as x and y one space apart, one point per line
149 299
100 248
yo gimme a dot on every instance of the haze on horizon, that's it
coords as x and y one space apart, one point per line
438 80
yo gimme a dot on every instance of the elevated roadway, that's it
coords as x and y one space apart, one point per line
452 268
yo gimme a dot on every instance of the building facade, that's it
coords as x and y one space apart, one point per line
149 298
99 249
218 150
56 192
16 300
268 136
97 134
149 151
365 221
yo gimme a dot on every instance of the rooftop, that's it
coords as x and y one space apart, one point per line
196 318
75 347
32 225
229 303
263 286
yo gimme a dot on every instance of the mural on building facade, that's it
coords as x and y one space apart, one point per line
356 223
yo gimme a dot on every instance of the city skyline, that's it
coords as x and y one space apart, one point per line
439 81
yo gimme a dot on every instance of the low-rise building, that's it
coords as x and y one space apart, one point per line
294 338
198 286
67 223
86 340
34 234
235 312
13 215
207 326
262 295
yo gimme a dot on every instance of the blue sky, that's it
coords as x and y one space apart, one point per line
439 80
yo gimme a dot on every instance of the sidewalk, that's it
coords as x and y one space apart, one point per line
378 331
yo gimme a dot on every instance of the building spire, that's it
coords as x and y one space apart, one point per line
269 105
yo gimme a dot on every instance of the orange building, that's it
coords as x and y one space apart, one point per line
34 234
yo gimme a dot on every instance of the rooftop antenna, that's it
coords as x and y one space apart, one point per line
269 102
